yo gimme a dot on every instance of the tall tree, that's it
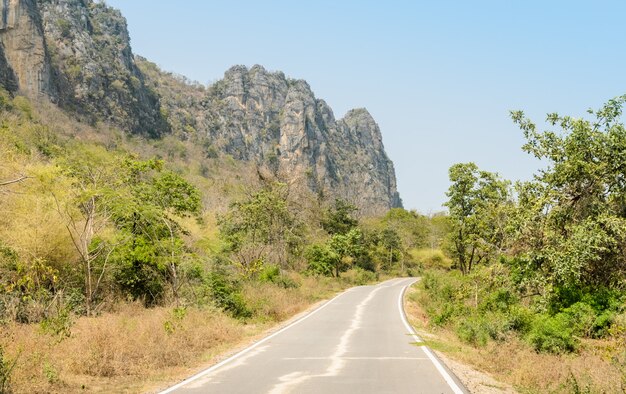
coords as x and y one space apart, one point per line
571 221
263 226
93 173
145 213
476 201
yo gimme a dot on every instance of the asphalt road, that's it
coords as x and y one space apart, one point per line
358 342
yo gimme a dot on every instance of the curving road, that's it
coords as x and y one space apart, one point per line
358 342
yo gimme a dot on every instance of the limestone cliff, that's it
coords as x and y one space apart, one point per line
262 116
25 61
77 53
8 80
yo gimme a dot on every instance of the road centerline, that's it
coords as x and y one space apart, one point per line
337 363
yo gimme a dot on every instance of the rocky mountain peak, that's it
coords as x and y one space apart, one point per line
78 54
363 128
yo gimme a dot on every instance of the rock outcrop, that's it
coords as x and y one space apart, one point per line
25 61
8 80
262 116
77 53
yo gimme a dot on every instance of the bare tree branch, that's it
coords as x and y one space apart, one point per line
20 179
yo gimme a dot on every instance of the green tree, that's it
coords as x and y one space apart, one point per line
570 224
145 211
263 227
477 201
348 247
337 255
339 219
392 244
322 260
411 227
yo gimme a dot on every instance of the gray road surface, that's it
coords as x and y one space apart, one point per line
359 342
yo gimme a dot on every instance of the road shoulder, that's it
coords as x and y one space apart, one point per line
475 381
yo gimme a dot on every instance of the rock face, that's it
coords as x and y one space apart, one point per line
262 116
77 53
7 77
25 61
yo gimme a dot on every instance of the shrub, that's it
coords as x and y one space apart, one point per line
321 260
430 282
359 276
24 106
501 299
442 314
520 319
473 331
603 323
430 258
553 334
364 277
478 329
582 318
286 282
271 274
227 295
59 325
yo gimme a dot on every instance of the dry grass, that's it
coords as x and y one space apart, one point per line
135 349
592 370
272 303
122 349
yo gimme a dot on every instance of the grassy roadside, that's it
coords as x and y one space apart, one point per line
593 368
134 349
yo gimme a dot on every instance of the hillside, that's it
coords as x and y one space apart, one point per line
77 54
163 222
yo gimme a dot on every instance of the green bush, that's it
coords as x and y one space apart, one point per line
552 334
286 282
59 325
269 273
602 324
582 318
520 319
226 295
321 260
501 299
430 258
498 325
430 282
477 330
442 314
473 331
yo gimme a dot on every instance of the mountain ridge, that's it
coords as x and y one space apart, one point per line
77 53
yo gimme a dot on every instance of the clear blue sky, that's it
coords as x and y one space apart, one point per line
438 76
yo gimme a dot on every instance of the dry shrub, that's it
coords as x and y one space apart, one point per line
270 302
136 342
134 349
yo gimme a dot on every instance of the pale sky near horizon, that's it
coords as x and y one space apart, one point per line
439 77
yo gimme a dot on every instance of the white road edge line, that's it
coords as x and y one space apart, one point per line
446 376
249 348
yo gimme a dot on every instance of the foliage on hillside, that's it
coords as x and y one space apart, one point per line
92 220
544 261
